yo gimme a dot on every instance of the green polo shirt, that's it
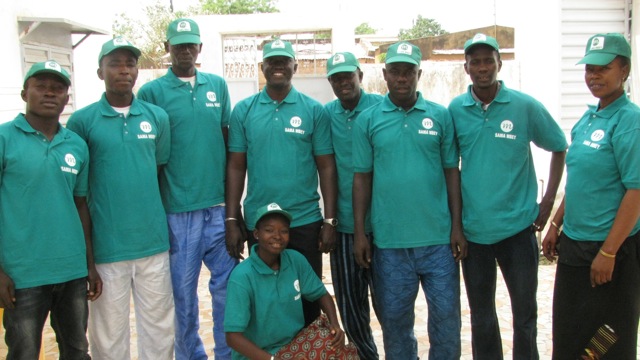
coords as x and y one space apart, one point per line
281 141
126 211
193 179
265 304
603 162
407 152
342 122
498 178
41 237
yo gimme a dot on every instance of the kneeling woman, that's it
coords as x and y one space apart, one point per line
264 309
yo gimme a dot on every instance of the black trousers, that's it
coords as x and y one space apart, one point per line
579 309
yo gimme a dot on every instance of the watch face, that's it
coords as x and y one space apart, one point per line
332 222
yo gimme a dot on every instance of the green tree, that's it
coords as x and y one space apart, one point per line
223 7
364 29
149 33
422 27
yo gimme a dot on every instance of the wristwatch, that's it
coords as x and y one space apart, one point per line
331 221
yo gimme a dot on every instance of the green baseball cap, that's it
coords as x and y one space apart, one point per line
481 39
115 44
272 208
183 31
278 48
49 67
342 62
603 48
404 52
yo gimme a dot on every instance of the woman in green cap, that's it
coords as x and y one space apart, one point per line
596 303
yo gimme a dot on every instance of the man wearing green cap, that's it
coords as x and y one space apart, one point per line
128 142
496 125
406 166
281 138
192 185
46 257
351 282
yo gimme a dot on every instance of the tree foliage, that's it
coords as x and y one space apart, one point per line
223 7
422 27
148 34
364 29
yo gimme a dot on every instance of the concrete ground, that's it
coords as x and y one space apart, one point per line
546 275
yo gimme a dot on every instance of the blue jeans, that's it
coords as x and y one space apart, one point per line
397 275
517 257
67 303
197 237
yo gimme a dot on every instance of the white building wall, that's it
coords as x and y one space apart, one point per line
84 12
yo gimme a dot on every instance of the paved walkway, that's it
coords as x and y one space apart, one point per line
546 275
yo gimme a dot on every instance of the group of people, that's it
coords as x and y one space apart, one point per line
138 191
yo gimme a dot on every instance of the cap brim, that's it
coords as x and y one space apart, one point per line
185 39
49 71
344 68
599 59
398 59
468 48
278 53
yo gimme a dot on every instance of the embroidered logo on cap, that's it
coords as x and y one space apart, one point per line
278 44
183 26
338 59
597 43
273 206
405 49
53 66
120 42
479 37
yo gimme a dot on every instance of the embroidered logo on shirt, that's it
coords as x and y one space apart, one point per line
71 161
296 286
146 127
595 137
296 122
428 125
506 126
211 96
